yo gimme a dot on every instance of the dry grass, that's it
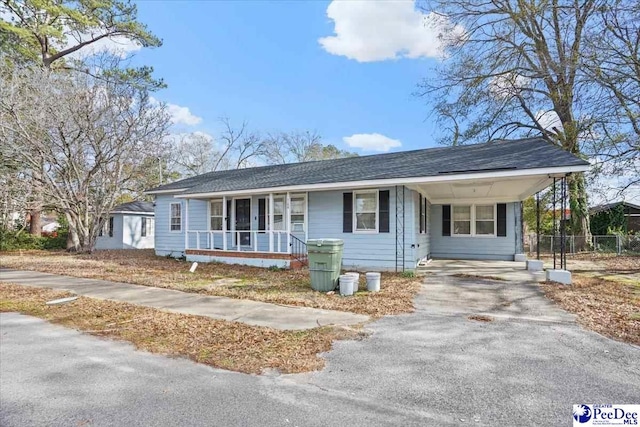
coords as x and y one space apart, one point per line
289 287
609 307
227 345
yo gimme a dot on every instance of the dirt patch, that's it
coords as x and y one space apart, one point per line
609 307
480 318
288 287
227 345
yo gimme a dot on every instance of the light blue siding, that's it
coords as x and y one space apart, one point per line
127 234
455 247
421 240
112 242
132 233
168 242
362 250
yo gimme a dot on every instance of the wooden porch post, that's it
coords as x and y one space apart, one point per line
224 223
271 213
288 221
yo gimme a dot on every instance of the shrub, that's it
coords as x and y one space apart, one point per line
21 240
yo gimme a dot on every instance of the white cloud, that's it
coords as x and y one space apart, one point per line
179 114
371 142
549 120
378 30
509 84
182 115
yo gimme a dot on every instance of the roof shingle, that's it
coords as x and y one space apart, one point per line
528 153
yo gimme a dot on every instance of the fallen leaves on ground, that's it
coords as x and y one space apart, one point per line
287 287
611 308
222 344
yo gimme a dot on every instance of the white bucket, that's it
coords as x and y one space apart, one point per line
373 282
346 284
356 281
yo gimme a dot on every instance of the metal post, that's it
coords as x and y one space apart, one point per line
538 225
563 217
553 246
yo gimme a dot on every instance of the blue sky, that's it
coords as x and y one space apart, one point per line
262 62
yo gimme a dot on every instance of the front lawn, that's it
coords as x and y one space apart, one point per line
289 287
226 345
605 294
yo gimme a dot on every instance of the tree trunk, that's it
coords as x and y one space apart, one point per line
73 243
578 203
35 222
35 225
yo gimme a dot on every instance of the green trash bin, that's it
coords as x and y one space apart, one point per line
325 262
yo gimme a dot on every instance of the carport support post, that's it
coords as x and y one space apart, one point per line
553 247
538 225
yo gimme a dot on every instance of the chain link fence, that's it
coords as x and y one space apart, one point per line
614 244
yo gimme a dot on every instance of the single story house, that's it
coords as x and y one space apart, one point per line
630 221
129 226
392 210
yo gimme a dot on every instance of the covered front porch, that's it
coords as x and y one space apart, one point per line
258 227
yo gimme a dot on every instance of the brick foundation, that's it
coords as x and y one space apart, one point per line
294 263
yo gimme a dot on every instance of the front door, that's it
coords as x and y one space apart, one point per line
243 220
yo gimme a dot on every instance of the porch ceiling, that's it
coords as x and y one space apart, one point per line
490 189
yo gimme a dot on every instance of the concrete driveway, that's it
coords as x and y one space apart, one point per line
434 367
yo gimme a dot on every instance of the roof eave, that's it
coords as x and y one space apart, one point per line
557 171
169 191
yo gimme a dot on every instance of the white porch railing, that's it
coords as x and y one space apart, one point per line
239 240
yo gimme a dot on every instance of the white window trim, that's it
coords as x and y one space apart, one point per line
170 217
283 197
210 214
473 221
355 213
425 214
306 212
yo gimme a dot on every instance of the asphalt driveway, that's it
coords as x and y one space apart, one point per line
433 367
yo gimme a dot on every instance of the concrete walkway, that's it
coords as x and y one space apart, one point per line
503 270
245 311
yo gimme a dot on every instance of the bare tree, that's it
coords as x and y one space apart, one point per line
240 146
296 147
614 64
48 34
88 136
514 68
193 153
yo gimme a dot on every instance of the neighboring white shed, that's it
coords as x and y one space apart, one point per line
130 226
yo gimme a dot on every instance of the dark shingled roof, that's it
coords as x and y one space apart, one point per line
134 207
610 206
499 155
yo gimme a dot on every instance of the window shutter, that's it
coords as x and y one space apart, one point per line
227 224
383 209
502 219
262 214
144 227
421 221
426 215
446 220
347 212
